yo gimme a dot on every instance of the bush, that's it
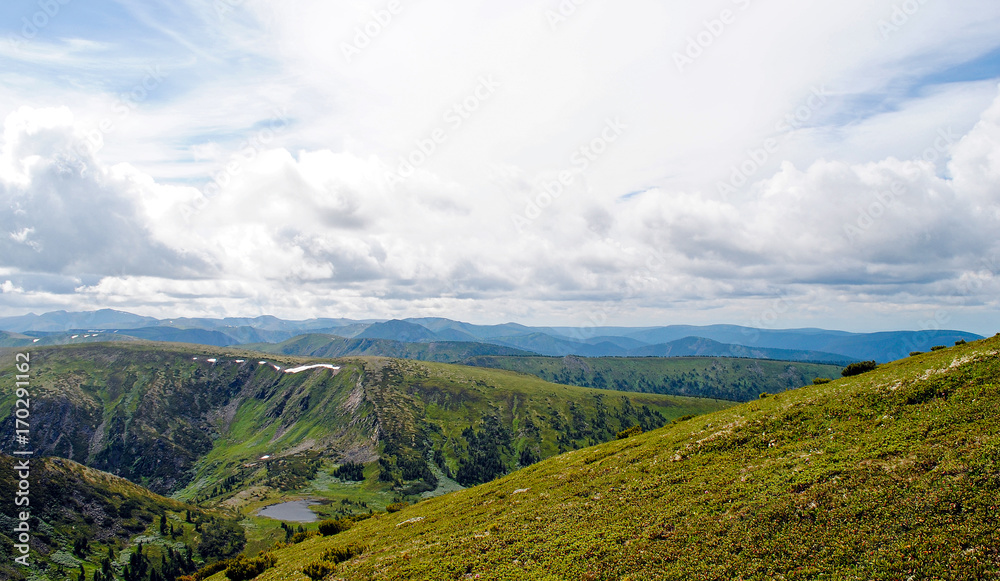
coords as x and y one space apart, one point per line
633 431
341 554
209 570
396 506
859 368
938 347
915 353
821 380
332 527
299 537
318 570
961 342
763 395
244 569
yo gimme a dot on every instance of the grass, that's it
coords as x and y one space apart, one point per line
892 474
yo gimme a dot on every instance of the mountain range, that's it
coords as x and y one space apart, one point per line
881 476
819 345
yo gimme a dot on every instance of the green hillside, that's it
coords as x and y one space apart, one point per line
894 474
716 377
85 518
14 339
228 428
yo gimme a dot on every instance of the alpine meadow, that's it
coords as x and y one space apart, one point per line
532 290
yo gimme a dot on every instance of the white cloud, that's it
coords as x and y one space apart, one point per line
252 175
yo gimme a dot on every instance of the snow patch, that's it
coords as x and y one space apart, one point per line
308 367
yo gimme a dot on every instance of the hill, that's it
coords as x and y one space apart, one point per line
208 425
892 474
319 345
14 339
882 347
786 344
84 517
716 377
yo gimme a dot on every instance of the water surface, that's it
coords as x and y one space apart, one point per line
294 511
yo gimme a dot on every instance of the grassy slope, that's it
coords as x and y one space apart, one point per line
69 500
888 475
719 377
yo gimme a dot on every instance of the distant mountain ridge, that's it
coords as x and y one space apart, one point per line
808 344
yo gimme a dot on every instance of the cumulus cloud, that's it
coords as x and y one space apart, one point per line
524 208
331 230
68 215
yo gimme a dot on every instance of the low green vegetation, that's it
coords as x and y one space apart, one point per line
89 522
890 474
859 368
225 435
712 377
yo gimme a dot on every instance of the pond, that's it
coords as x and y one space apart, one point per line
293 511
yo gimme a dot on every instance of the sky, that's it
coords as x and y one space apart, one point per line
774 164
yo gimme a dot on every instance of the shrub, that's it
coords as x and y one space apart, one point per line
209 570
915 353
341 554
244 569
938 347
859 368
396 506
762 395
961 342
633 431
332 527
821 380
318 570
299 537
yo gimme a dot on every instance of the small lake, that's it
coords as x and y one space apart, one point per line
294 511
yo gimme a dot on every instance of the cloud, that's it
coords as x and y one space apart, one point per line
258 173
66 214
